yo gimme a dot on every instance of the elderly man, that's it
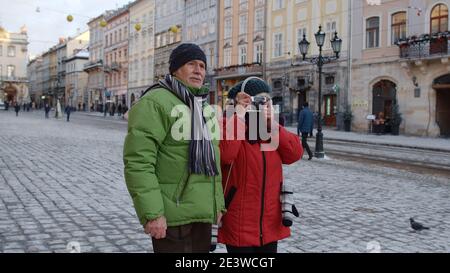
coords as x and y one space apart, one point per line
175 184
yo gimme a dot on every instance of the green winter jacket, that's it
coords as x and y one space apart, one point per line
156 165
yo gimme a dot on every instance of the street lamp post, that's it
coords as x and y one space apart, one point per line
336 44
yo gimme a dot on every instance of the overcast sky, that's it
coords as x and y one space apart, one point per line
46 26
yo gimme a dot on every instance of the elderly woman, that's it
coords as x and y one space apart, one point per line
252 175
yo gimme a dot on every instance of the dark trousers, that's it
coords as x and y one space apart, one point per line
191 238
305 144
68 116
269 248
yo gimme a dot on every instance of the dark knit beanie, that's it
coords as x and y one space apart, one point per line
183 54
253 87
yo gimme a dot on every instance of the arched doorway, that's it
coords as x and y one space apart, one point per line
442 87
10 93
384 97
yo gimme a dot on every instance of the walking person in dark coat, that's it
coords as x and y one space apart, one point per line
119 109
17 108
68 110
47 110
305 127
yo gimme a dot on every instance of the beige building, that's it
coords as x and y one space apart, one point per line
294 81
13 66
94 67
200 27
141 48
413 75
34 90
169 18
76 80
241 43
116 57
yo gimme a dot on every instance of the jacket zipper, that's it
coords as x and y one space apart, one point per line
214 200
262 199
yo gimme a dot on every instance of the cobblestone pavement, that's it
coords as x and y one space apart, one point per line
62 182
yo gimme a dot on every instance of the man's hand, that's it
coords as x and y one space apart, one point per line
156 228
219 218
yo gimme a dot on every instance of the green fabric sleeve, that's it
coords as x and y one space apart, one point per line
148 125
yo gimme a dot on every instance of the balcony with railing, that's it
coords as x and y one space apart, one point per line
115 66
425 46
13 79
93 65
240 70
107 68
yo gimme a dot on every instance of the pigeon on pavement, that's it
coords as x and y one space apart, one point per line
416 225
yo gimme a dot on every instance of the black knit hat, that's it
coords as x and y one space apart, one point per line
253 87
183 54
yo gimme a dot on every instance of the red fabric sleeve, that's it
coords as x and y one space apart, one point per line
233 134
290 148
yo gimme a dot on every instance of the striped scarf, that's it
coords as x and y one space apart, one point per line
201 152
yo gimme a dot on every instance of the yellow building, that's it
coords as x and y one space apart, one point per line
240 44
293 81
141 48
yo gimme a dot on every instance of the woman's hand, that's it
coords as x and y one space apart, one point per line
269 113
243 102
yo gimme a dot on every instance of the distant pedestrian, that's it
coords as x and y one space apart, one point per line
17 108
105 110
46 109
67 110
124 111
113 109
305 126
24 107
84 107
28 107
119 109
79 106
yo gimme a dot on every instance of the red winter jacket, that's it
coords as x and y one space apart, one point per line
253 217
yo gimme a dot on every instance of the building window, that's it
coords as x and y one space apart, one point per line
398 27
259 19
227 4
331 29
211 57
11 51
242 54
278 4
11 71
258 55
329 80
277 84
278 45
227 28
227 57
373 32
439 19
243 24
